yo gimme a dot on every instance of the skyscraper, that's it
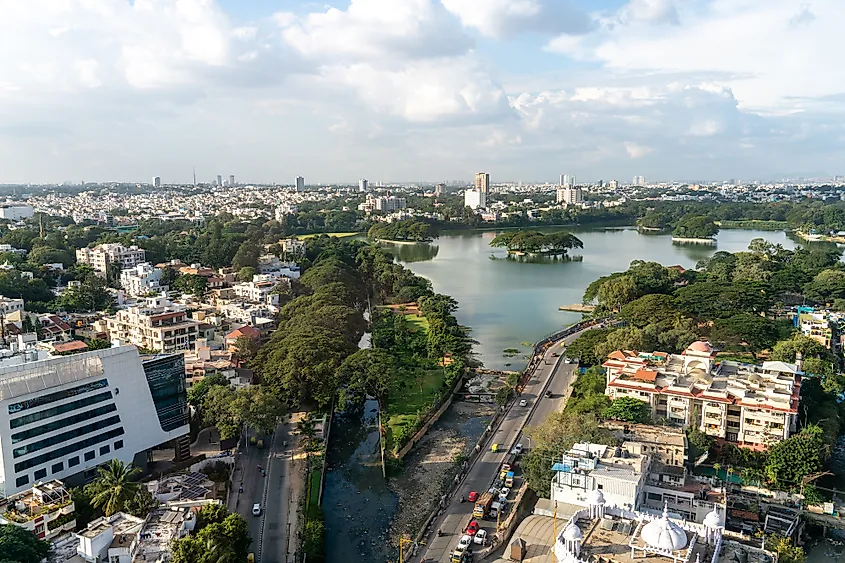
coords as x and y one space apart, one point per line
300 184
567 181
156 182
482 182
362 185
231 179
219 180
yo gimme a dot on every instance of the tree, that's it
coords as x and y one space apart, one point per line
246 273
198 391
19 545
91 295
786 551
714 300
113 487
827 286
786 350
628 409
245 349
695 226
812 496
98 344
366 372
584 347
225 541
141 504
793 459
750 332
192 284
617 292
653 308
247 255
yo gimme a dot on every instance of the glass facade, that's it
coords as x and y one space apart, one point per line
63 423
42 400
166 379
65 436
61 409
69 449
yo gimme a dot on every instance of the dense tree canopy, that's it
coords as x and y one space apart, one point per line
19 545
695 226
412 230
535 242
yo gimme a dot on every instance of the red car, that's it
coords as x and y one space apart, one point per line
473 496
472 529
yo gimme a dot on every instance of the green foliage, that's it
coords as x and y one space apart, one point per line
628 409
370 372
715 300
812 496
584 347
141 504
19 545
745 331
215 542
229 409
535 242
85 513
786 551
314 539
796 457
649 309
785 350
91 295
588 393
192 284
695 226
198 391
411 229
113 487
502 395
247 255
246 273
98 344
827 286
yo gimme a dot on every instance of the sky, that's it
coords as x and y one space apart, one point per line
420 90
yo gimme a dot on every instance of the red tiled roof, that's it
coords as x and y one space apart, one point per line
645 375
245 330
72 346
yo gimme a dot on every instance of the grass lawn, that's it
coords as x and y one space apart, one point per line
338 235
406 401
418 322
312 510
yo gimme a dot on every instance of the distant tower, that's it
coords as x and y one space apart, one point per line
362 185
156 182
482 182
195 176
231 179
300 184
219 180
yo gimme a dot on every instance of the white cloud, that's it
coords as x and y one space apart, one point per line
636 150
653 11
503 18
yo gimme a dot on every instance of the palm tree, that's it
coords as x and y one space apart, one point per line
113 487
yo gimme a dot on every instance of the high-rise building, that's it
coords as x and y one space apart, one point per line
101 256
567 181
475 199
570 195
362 185
639 181
439 190
219 180
156 181
300 184
613 184
482 182
231 180
66 415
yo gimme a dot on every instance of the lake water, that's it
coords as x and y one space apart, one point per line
507 303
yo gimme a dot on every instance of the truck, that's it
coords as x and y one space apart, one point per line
482 506
509 479
509 462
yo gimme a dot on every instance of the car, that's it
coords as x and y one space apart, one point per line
504 492
549 394
517 449
567 361
555 354
256 509
480 537
472 529
523 403
464 542
473 496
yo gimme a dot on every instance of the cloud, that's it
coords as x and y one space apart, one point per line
635 150
506 18
652 11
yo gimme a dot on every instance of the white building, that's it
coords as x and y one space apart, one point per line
482 182
299 182
231 180
141 280
567 181
390 203
363 185
156 181
68 414
100 257
286 209
292 246
157 325
12 249
10 305
475 199
570 195
639 181
16 211
257 292
40 509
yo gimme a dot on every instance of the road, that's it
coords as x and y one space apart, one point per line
274 531
552 371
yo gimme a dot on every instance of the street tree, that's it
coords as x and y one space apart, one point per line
113 486
628 409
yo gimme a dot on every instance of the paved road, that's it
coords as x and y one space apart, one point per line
552 371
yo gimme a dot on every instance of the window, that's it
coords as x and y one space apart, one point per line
57 467
655 496
40 474
58 396
22 480
118 445
600 487
61 409
63 423
65 436
89 456
69 449
73 462
104 450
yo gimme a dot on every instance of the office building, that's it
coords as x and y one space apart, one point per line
219 180
158 325
16 211
299 183
231 180
475 199
100 257
363 185
482 183
748 405
156 181
141 280
68 414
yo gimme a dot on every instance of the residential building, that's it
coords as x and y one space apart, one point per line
245 331
750 405
638 181
9 305
570 195
817 324
100 257
299 183
363 185
269 264
157 325
475 199
292 246
286 209
68 414
567 181
257 292
156 182
46 509
12 249
482 182
390 203
439 190
16 211
613 184
141 280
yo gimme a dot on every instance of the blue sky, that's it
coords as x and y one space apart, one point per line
420 90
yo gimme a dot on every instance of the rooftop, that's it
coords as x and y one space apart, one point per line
42 498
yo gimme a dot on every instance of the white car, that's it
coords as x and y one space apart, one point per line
256 509
517 449
523 403
463 544
504 492
480 537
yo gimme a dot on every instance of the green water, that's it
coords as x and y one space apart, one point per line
507 303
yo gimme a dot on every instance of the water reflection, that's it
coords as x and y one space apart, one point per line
412 252
538 258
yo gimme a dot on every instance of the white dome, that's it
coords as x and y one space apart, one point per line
572 533
713 520
664 534
595 497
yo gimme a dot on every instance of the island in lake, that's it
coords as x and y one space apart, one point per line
535 243
696 229
403 231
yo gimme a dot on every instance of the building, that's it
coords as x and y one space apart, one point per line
816 325
292 246
638 181
390 203
156 181
286 209
141 280
16 211
68 414
482 183
257 292
570 195
231 180
613 184
750 405
46 509
363 185
439 190
158 325
299 183
219 180
100 257
9 305
567 181
12 249
475 199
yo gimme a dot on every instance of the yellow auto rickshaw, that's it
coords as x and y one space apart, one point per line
494 448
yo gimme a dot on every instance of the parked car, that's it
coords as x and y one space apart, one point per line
256 509
481 537
517 449
548 394
473 496
472 529
523 403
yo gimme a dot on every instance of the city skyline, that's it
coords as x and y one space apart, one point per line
608 90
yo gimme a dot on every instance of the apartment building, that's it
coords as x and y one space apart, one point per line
817 325
257 292
157 325
141 280
101 256
9 305
749 405
390 203
68 414
46 510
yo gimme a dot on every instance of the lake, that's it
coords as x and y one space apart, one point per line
506 302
